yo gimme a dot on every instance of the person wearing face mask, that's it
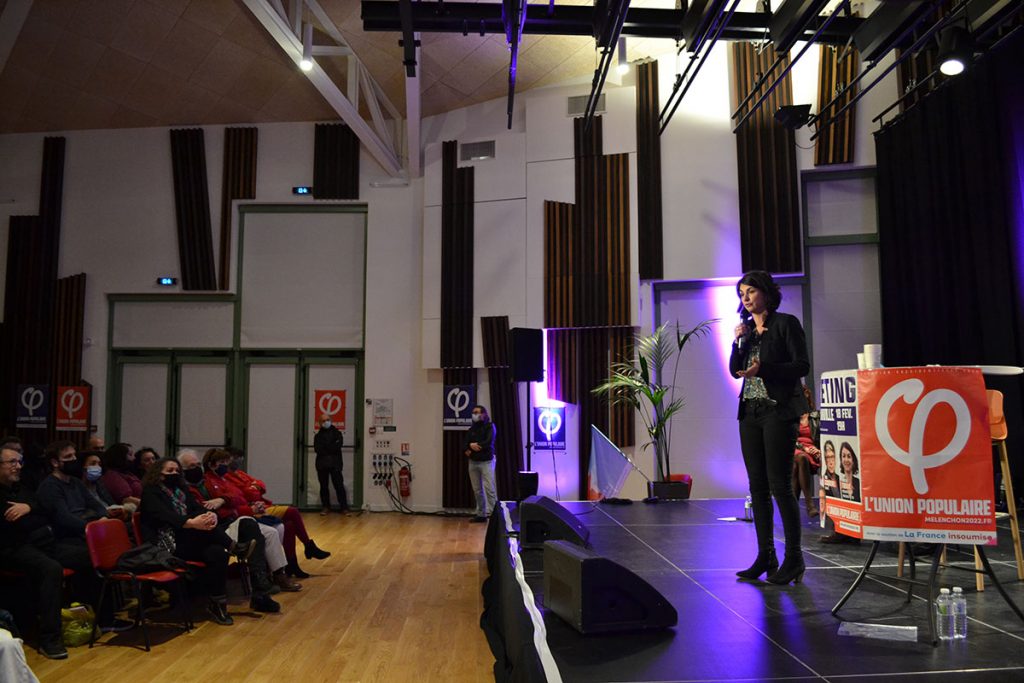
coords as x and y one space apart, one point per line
327 444
478 447
64 496
119 476
172 518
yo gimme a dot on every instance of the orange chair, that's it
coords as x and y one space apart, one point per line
108 540
998 431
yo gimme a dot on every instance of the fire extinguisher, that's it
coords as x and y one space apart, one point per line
404 477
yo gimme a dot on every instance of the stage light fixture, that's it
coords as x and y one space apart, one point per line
307 48
623 67
793 116
955 50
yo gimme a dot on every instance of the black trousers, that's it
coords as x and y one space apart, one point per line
767 443
44 567
333 475
211 548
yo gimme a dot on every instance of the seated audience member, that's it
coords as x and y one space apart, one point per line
34 469
13 666
233 512
255 491
806 456
145 457
172 518
119 477
64 497
28 545
96 443
92 473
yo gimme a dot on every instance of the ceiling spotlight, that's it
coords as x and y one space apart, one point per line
307 48
623 67
955 50
793 116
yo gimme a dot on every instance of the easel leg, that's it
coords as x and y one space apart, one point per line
932 574
859 579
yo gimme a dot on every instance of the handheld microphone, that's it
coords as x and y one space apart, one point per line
742 339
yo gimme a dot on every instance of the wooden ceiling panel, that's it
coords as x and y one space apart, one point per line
115 73
184 49
223 66
213 15
72 60
144 28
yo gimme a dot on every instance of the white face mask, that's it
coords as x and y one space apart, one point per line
477 417
325 424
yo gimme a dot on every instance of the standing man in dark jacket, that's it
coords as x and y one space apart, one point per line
478 447
327 443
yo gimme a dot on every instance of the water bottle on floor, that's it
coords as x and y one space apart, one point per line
959 610
748 508
944 615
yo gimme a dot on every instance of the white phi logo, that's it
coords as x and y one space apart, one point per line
330 404
914 457
32 399
549 423
458 400
72 401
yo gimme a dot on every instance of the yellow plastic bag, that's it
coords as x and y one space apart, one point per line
76 624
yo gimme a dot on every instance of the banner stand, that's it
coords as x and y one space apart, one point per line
930 584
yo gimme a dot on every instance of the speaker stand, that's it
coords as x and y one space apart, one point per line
529 429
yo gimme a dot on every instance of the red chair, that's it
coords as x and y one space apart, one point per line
108 540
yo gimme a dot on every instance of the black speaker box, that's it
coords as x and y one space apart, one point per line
542 519
527 348
527 484
595 595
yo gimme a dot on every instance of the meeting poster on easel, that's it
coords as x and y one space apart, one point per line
906 455
840 445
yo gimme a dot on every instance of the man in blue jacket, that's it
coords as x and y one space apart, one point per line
478 447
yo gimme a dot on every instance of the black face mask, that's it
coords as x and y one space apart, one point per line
220 470
172 481
72 468
194 475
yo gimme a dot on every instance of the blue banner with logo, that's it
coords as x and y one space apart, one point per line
459 400
32 405
549 429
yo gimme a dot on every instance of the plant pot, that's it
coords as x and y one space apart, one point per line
669 490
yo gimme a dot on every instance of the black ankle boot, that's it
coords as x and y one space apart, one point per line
766 563
293 569
315 553
792 569
261 602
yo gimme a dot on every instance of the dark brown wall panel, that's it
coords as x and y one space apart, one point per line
335 162
456 261
648 172
769 195
192 206
560 264
504 408
239 182
561 365
834 144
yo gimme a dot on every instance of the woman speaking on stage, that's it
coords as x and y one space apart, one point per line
770 353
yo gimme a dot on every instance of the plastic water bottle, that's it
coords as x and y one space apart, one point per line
748 508
959 609
944 615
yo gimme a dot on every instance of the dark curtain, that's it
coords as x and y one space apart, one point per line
192 206
239 182
504 408
951 229
648 172
335 162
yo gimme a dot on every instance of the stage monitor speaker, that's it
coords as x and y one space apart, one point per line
542 519
596 595
527 346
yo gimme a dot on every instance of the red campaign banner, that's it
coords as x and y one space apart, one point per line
926 458
329 402
74 407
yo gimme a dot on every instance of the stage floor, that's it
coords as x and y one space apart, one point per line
734 630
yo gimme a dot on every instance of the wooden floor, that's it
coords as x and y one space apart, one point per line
398 600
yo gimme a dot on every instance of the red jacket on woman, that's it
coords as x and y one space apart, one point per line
219 487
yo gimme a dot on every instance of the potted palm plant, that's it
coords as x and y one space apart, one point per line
645 385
